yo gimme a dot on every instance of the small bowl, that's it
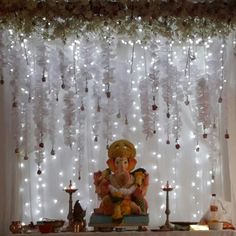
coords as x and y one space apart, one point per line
214 225
45 228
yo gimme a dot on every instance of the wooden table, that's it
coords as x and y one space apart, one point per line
136 233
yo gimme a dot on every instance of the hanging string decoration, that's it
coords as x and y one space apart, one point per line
145 104
177 99
89 69
2 56
123 92
203 95
54 72
54 88
223 81
66 68
69 116
187 72
15 83
97 95
167 83
87 65
213 59
16 114
52 128
108 55
27 130
40 109
42 60
154 78
81 138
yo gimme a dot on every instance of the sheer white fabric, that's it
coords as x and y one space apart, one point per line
28 197
231 147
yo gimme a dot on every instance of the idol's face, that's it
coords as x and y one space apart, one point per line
121 164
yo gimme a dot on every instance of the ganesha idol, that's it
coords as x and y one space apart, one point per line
121 189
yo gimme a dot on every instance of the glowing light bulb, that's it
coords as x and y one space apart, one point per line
162 206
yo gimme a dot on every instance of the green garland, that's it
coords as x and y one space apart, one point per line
172 19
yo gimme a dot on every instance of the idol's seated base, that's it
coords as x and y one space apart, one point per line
106 223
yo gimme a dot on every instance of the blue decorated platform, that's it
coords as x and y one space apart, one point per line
98 220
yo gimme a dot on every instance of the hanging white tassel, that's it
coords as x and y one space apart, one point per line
69 116
40 111
66 68
52 127
145 103
203 103
123 91
54 72
16 84
108 56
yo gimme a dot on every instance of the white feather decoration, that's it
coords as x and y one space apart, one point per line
123 90
69 116
14 63
66 68
108 55
40 111
54 72
145 103
203 105
52 127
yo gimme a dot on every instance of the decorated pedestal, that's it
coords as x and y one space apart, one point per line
106 223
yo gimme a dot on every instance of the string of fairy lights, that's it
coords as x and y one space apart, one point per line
165 117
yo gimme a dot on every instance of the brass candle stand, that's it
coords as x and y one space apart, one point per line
70 191
167 226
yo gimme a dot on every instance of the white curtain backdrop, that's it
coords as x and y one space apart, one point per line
10 199
27 196
231 148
